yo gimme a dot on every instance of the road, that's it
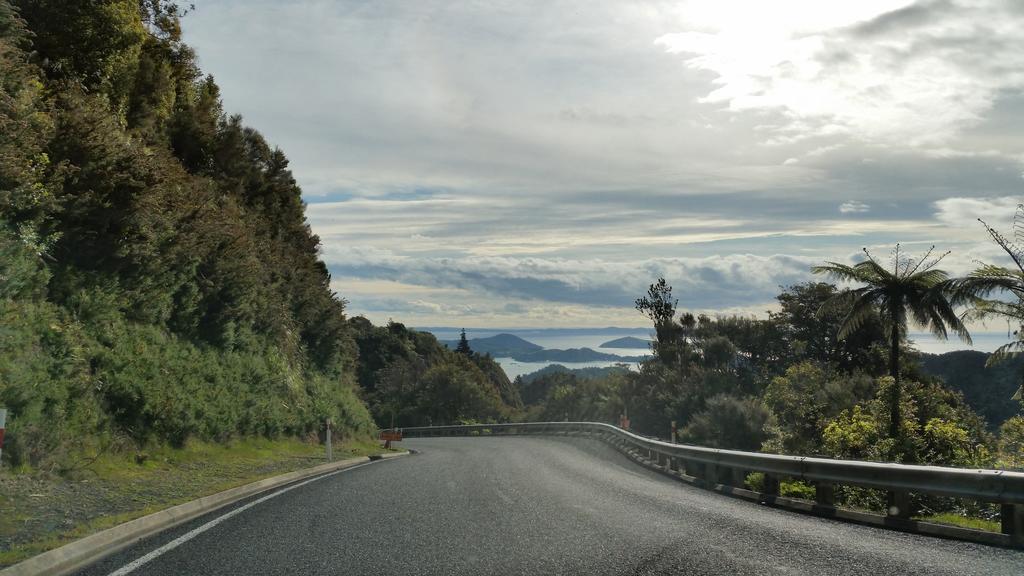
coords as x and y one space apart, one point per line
532 505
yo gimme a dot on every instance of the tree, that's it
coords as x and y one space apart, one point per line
463 347
456 391
29 187
729 422
719 353
938 428
660 307
988 279
806 332
1011 442
913 290
804 400
93 44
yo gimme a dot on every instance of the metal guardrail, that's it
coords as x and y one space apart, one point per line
711 467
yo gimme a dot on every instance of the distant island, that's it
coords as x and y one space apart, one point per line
627 342
573 355
500 345
520 350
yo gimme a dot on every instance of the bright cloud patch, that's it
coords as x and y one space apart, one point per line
853 207
884 72
996 212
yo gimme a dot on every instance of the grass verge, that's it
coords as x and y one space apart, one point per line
40 512
963 522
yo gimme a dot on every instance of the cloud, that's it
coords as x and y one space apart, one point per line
997 212
540 162
887 72
853 207
734 280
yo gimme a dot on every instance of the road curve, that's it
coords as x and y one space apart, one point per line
532 505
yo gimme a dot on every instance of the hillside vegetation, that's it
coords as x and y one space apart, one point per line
788 384
158 278
988 388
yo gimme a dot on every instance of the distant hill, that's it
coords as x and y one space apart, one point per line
516 348
988 390
500 345
535 387
528 332
573 355
626 342
582 373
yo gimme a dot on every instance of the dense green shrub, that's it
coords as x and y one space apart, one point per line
69 393
44 383
1011 443
729 422
804 400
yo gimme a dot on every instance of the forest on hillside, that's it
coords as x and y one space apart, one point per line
158 278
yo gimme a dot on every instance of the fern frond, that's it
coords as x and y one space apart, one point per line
1005 352
1014 251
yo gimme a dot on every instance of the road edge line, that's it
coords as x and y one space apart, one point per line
80 553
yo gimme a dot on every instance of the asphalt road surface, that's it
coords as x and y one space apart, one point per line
530 505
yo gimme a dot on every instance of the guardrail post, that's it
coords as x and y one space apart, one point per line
738 478
824 495
1012 520
770 487
899 505
723 475
691 468
710 475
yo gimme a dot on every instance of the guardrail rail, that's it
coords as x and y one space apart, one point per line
726 471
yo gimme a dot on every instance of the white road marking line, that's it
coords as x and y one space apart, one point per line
143 560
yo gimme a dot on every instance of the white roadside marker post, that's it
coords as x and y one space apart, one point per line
330 452
3 428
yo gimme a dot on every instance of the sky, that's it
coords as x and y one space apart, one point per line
539 163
